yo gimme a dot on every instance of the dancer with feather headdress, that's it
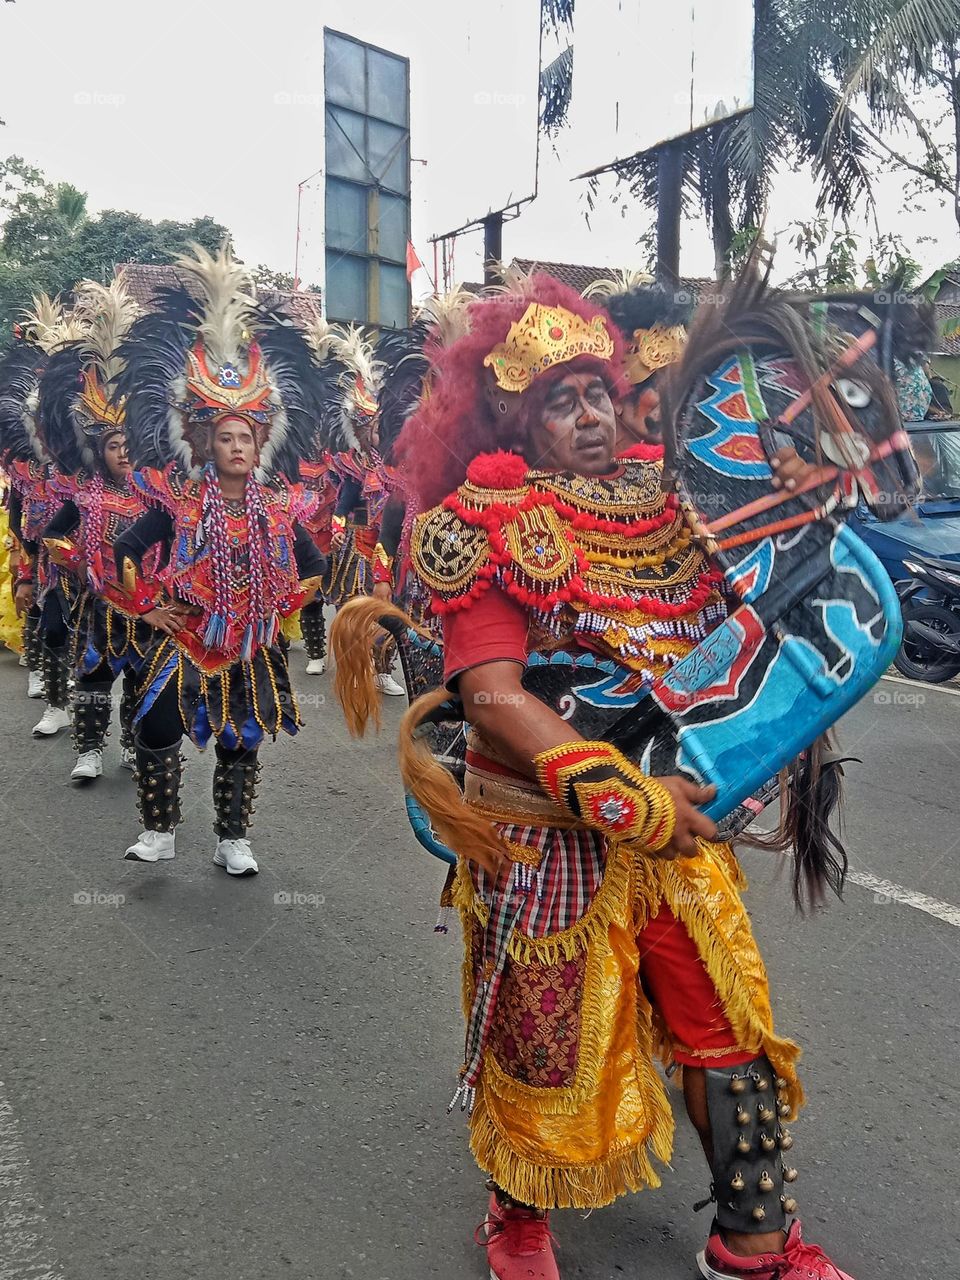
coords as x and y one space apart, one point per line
218 411
40 586
84 430
363 482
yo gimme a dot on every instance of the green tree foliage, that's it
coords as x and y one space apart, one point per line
48 240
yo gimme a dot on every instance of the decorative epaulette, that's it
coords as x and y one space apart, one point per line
168 489
541 535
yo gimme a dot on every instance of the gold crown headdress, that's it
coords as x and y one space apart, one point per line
542 338
649 350
649 347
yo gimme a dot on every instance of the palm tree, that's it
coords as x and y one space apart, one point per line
811 59
70 206
916 46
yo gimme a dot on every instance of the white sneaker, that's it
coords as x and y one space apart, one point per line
153 846
236 857
89 766
316 666
387 684
35 684
297 644
52 721
128 758
23 660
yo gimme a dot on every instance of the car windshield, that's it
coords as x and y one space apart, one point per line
938 457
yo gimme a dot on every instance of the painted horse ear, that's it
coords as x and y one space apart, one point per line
854 393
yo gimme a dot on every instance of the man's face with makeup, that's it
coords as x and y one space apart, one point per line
639 415
577 429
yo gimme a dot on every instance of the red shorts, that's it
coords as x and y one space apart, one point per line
677 984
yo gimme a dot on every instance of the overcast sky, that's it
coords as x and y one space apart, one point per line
180 108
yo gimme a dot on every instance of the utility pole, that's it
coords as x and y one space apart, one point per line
669 193
492 247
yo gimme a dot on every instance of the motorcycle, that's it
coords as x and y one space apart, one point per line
930 604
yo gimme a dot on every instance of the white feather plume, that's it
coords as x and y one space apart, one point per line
229 301
107 312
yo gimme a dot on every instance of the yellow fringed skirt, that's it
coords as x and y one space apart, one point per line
570 1109
11 627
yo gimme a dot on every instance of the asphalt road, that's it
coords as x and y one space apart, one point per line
215 1079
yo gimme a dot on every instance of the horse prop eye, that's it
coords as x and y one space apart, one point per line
855 394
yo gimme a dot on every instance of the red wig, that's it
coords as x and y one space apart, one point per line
454 422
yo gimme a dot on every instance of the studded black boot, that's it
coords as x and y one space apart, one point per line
92 708
157 776
128 708
235 780
314 629
56 674
747 1108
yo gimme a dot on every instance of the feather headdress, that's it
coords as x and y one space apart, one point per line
409 356
78 407
207 353
358 385
44 327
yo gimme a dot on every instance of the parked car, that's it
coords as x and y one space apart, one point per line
933 528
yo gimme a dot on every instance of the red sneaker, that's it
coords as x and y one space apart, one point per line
518 1243
798 1261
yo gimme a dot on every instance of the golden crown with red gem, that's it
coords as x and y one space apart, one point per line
542 338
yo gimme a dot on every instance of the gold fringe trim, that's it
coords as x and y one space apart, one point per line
726 974
560 1186
606 908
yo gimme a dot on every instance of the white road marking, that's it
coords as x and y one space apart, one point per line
24 1254
951 689
887 889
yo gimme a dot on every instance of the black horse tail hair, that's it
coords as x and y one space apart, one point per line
813 796
811 791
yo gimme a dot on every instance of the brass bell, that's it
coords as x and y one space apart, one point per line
781 1083
767 1142
761 1083
789 1175
738 1084
789 1204
783 1109
742 1117
766 1182
737 1181
743 1146
759 1213
786 1142
765 1114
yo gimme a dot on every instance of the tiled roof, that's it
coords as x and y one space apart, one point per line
947 317
580 277
146 279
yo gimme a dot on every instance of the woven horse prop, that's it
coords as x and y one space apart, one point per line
814 620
